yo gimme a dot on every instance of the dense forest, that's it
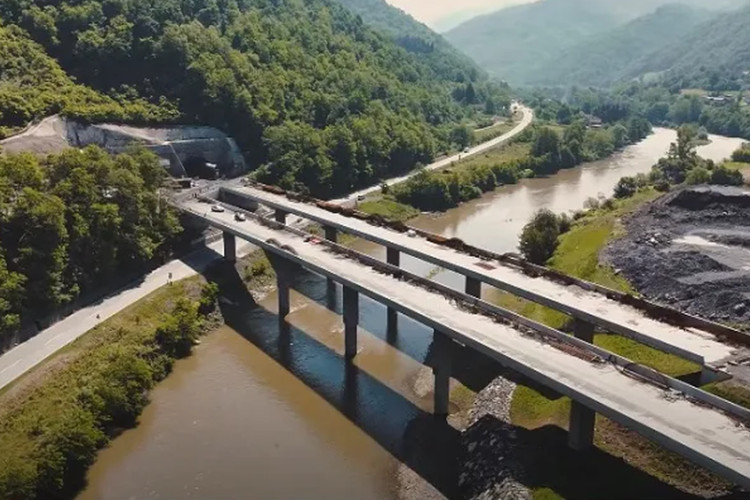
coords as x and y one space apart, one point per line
607 58
312 94
73 221
658 104
600 42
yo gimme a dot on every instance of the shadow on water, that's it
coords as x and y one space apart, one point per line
426 444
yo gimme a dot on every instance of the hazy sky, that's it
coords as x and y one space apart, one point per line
436 12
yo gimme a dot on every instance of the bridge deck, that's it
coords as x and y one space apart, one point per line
611 315
702 434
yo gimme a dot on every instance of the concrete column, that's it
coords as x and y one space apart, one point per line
473 287
230 247
332 235
442 372
280 216
393 257
581 427
583 330
351 321
283 281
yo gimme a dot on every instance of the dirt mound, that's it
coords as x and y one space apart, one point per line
690 249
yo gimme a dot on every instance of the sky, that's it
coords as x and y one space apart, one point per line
444 14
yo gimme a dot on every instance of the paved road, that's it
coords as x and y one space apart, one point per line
528 117
25 356
698 346
703 434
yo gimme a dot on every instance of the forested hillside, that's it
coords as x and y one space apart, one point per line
72 222
518 43
606 58
713 56
324 102
412 36
32 84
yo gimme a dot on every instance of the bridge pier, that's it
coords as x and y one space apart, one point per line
332 235
230 247
473 287
583 330
280 216
393 257
442 371
582 419
351 322
581 427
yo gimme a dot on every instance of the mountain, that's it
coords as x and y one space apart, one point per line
606 58
411 35
311 94
511 43
713 55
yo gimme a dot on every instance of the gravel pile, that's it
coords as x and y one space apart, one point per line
488 469
690 250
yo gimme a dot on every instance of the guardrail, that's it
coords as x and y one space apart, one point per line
551 336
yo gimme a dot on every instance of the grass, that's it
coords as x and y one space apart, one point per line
54 418
500 128
578 255
389 208
500 154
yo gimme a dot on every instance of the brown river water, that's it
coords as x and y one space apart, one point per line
262 411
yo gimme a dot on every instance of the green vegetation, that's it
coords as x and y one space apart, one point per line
389 208
32 85
547 150
538 239
535 42
53 421
607 57
317 100
74 221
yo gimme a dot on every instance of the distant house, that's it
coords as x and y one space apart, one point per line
719 100
593 121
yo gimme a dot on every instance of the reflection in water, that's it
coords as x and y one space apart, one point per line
263 411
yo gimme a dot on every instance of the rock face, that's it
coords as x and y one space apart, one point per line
177 144
488 469
691 250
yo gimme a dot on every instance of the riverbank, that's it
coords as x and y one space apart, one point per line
55 417
622 453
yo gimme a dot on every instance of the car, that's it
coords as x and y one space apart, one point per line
217 208
361 197
239 217
466 150
411 233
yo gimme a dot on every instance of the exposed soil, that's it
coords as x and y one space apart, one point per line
690 249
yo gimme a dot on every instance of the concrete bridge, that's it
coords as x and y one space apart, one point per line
704 428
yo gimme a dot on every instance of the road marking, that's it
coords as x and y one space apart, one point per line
9 367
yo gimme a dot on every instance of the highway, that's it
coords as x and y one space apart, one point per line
591 306
526 120
702 434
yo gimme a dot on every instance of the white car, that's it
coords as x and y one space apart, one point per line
217 208
239 217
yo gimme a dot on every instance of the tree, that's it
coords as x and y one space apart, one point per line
539 237
626 187
546 141
620 136
698 175
462 136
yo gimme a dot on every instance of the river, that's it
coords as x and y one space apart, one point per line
263 411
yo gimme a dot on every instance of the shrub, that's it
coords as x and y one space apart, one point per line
742 155
208 298
724 176
698 175
626 187
539 237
